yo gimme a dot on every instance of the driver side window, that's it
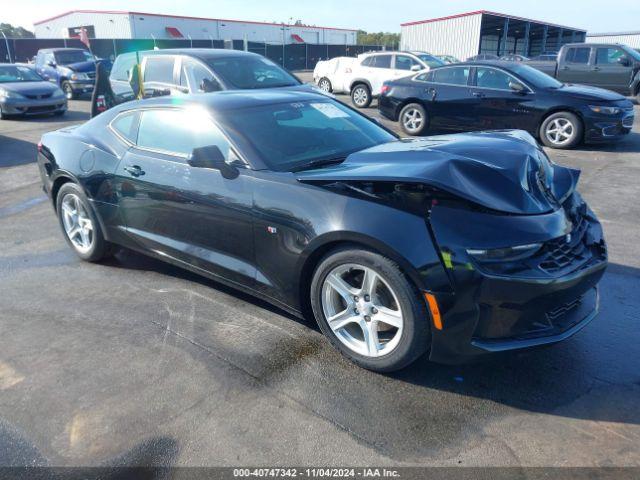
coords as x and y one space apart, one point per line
199 78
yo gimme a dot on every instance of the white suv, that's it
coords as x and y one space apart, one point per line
363 77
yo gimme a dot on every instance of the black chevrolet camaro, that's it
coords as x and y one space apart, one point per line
490 95
457 245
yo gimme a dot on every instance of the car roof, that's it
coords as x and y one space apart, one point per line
200 53
50 50
226 100
483 63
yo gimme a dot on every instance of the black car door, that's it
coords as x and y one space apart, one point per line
448 100
502 100
191 215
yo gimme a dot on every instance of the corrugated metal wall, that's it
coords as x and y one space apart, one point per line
107 25
633 40
458 36
110 25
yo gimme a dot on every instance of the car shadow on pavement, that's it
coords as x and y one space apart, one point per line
12 152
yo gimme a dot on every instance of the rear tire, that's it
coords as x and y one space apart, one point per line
325 85
561 130
361 95
381 324
80 226
413 119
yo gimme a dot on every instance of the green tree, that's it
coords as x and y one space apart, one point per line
391 40
15 32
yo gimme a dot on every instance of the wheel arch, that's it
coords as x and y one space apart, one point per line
357 81
324 244
406 102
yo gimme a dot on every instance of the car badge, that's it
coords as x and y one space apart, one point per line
568 238
272 230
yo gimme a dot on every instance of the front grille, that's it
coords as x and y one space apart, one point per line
39 97
46 108
91 75
627 121
560 253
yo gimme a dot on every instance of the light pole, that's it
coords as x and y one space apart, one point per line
6 41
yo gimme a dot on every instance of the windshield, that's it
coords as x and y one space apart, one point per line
68 57
535 77
430 60
251 72
13 73
292 136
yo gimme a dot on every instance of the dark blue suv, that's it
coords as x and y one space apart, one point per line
73 69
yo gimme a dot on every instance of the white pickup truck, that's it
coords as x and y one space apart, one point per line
362 77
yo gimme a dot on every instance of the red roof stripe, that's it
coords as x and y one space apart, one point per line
487 12
118 12
174 32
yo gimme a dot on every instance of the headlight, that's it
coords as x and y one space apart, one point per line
79 76
507 254
9 94
605 110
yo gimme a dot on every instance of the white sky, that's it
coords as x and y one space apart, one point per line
371 15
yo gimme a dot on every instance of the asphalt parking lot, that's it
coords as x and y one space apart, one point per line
138 362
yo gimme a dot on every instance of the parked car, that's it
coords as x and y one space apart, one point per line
193 70
496 95
612 66
363 77
24 92
446 245
448 59
482 57
72 69
514 58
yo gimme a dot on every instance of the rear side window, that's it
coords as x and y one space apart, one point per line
368 62
451 76
609 56
179 132
578 55
159 69
126 126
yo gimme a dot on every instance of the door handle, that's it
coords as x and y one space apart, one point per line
478 94
565 68
595 69
134 170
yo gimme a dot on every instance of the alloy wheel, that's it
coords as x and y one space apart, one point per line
412 120
77 223
362 310
560 131
324 85
360 96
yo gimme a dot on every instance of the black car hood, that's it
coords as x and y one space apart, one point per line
82 67
587 92
30 88
503 170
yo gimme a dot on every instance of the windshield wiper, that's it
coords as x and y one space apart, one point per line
320 163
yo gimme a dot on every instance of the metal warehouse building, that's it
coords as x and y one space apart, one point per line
468 34
628 38
113 24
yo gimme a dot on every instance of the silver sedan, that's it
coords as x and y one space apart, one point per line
24 92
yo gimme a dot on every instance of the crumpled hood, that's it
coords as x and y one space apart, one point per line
587 92
81 67
501 170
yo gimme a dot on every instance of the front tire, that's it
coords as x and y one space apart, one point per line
68 90
369 310
361 96
325 85
413 119
561 130
79 224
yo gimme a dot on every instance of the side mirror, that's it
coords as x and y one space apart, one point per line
416 68
51 63
208 85
624 61
517 87
212 158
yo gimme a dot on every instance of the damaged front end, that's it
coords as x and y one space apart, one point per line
522 251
